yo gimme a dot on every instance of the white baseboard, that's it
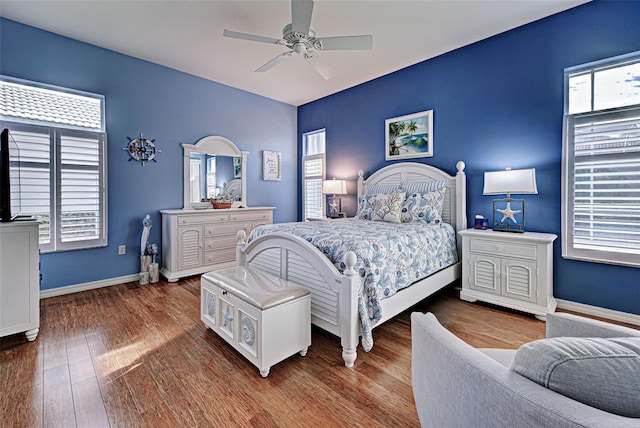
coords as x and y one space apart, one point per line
60 291
599 312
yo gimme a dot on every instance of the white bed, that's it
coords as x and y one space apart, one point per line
334 295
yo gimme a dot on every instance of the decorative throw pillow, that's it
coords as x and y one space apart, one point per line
387 207
423 207
423 186
365 211
380 189
602 373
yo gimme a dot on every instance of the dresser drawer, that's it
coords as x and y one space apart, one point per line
220 256
202 219
225 229
218 242
502 248
250 216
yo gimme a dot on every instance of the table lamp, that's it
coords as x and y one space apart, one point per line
335 187
518 181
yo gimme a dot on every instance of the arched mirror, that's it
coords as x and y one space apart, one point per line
214 166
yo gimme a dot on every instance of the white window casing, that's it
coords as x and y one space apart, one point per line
62 146
601 187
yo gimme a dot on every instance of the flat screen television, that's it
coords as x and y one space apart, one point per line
10 202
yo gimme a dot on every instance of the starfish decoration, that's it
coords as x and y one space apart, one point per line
508 213
334 206
228 317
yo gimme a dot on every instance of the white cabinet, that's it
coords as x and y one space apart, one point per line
197 241
19 279
514 270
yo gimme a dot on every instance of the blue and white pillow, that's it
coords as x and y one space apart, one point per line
364 208
387 207
423 186
423 207
380 189
382 207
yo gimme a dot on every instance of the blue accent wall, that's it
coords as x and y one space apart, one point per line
163 104
497 103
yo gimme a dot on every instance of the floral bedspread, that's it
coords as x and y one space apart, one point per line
390 256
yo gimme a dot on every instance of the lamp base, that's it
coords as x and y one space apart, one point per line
504 229
511 209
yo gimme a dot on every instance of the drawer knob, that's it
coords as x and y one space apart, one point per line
224 292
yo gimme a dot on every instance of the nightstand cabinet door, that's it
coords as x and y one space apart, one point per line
484 273
519 280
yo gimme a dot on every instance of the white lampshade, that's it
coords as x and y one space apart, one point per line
518 181
334 187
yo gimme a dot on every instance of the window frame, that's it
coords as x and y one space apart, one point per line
56 133
628 256
308 157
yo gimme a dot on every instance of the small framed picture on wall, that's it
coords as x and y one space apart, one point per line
409 136
271 169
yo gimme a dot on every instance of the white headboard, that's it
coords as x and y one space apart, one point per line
454 210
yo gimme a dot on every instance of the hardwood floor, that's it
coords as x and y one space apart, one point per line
137 356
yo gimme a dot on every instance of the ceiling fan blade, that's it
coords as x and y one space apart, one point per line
324 69
301 11
274 61
252 37
346 43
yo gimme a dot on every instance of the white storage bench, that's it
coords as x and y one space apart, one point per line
262 316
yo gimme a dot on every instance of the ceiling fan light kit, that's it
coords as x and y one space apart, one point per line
300 38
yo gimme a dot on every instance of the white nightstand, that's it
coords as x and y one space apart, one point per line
514 270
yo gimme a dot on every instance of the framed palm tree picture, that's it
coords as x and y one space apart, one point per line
409 136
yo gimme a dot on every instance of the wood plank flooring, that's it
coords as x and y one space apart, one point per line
139 356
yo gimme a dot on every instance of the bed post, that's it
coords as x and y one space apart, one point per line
349 310
241 257
360 185
461 203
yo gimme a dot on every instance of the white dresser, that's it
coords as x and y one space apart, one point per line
514 270
197 241
19 279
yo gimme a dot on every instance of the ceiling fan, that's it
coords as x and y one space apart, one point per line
300 38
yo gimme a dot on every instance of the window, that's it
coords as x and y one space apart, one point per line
62 144
313 172
601 162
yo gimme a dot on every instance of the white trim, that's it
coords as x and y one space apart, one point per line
61 291
599 312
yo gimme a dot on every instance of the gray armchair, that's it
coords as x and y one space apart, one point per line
456 385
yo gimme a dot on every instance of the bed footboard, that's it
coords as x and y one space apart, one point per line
334 296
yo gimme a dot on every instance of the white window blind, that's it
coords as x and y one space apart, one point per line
313 174
606 182
80 189
62 160
601 164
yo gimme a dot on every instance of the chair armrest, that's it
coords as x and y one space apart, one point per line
454 385
569 325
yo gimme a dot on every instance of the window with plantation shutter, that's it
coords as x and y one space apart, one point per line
601 165
313 172
62 161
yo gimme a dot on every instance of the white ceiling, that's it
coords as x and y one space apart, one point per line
187 35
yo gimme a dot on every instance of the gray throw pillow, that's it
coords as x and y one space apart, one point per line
602 373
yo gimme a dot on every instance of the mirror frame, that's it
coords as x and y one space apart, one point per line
213 145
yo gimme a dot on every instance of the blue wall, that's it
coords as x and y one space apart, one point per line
497 103
163 104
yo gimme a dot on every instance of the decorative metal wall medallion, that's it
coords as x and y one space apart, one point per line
141 149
